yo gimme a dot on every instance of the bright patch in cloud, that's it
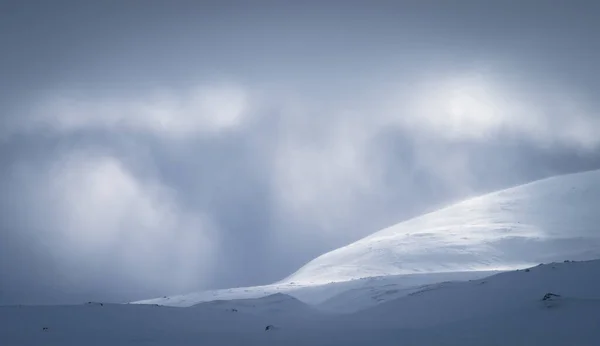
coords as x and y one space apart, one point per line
106 216
202 110
322 168
474 106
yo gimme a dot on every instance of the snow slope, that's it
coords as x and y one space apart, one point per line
504 309
547 220
543 221
378 290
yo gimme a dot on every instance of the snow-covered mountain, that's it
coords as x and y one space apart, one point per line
543 221
547 220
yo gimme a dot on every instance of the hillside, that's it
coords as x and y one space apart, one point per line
543 221
547 220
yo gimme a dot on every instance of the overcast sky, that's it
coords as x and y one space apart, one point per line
152 147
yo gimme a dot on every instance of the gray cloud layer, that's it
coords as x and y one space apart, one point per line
159 148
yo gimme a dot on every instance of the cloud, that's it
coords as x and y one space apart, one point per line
99 219
331 172
480 105
168 113
320 165
326 160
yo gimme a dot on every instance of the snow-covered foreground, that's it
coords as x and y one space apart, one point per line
503 309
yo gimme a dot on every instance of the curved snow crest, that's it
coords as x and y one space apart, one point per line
546 220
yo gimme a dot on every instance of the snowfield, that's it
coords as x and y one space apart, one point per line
511 308
468 274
